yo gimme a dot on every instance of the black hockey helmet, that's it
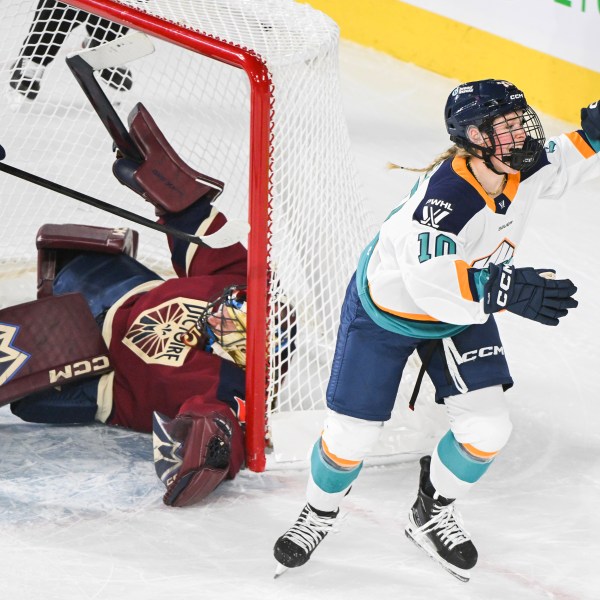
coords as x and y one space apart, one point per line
479 103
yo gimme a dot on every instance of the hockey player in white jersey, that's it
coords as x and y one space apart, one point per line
430 281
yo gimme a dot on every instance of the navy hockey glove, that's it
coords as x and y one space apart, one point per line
530 293
590 121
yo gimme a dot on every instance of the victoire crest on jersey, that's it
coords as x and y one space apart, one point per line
155 336
11 357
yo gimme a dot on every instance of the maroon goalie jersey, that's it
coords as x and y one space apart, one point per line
153 369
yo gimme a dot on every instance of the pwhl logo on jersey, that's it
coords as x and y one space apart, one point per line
434 211
155 336
11 358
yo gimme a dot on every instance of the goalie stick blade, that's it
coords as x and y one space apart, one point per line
460 574
231 233
84 75
118 52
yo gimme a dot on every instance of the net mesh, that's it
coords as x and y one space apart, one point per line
317 220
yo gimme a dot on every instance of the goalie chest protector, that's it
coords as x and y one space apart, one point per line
46 343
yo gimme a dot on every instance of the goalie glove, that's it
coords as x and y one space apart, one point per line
531 293
193 454
590 122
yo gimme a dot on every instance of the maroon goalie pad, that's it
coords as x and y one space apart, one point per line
163 179
58 244
47 343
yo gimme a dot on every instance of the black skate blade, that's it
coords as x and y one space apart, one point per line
460 574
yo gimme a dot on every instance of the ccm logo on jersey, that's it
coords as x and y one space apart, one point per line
76 369
505 283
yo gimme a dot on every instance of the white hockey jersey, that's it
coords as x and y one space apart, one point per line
417 276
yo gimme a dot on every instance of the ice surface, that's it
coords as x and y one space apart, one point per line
81 515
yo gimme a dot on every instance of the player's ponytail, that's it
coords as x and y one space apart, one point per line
450 153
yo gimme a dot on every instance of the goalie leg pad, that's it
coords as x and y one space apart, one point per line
164 178
46 343
59 244
193 454
102 279
69 404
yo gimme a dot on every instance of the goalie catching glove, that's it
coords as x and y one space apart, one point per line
531 293
193 454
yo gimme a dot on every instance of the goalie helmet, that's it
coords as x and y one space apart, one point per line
223 322
480 104
222 326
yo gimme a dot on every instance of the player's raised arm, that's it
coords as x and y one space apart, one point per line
590 123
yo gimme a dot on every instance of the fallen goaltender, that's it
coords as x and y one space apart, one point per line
108 340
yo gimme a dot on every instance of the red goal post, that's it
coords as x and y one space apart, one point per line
258 193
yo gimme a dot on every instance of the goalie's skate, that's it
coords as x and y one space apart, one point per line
436 527
25 78
296 545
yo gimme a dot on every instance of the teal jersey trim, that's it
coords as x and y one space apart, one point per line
416 329
459 462
481 278
326 476
595 144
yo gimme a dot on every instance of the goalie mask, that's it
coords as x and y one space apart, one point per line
491 118
222 324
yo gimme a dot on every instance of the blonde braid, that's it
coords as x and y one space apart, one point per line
450 153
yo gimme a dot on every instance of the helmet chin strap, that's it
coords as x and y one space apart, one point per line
487 159
485 154
488 152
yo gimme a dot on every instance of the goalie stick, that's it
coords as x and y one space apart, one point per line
111 54
231 233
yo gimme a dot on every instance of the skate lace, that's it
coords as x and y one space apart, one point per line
447 524
310 529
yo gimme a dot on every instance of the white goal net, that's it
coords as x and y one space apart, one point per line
314 217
